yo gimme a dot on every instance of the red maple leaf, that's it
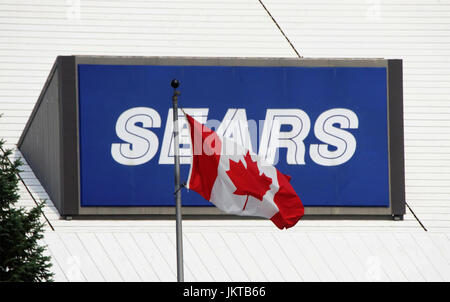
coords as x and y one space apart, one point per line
247 180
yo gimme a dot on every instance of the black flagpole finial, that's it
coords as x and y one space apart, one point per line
175 83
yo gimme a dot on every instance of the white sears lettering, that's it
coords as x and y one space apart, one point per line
141 144
273 138
344 141
167 148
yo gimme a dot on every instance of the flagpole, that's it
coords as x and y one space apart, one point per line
180 274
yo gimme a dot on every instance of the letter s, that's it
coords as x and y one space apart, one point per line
142 144
343 140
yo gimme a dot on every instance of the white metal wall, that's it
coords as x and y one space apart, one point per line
33 33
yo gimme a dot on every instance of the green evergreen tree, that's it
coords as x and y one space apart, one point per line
21 254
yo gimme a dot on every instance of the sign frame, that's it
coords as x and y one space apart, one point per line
61 90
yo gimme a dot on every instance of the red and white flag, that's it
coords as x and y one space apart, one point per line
238 182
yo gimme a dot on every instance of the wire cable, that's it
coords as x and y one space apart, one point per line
279 27
29 192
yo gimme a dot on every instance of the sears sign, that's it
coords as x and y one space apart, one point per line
326 126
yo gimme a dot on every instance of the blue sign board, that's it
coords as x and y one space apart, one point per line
330 124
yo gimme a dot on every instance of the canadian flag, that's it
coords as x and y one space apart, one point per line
238 182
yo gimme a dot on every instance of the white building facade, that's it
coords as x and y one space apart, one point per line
34 33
